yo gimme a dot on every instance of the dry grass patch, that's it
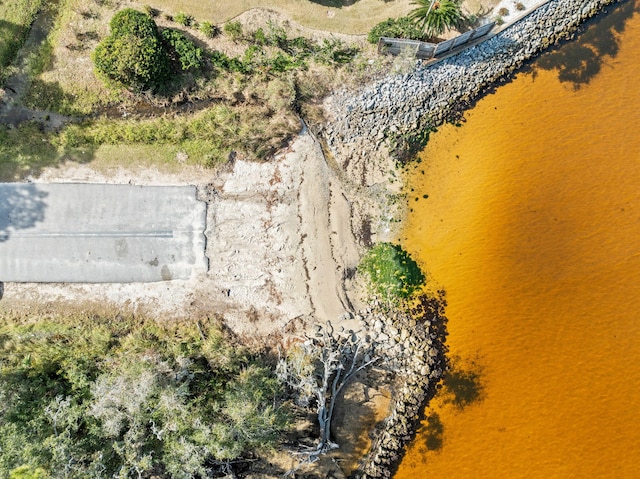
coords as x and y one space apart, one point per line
63 77
356 18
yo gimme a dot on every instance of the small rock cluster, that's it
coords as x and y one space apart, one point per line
413 347
367 128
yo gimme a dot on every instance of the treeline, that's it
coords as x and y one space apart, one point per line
96 397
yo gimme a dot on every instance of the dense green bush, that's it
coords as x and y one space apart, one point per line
133 55
393 275
132 22
97 398
402 27
181 50
135 62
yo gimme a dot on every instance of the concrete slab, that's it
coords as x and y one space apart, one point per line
98 233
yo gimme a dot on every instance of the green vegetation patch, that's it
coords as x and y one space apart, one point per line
434 17
16 17
133 55
103 397
208 136
393 275
181 50
402 27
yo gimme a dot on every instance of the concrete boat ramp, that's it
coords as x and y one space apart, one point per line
100 233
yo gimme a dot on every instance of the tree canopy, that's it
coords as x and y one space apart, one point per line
135 55
436 16
97 398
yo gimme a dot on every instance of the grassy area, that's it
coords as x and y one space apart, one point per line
16 16
351 17
61 73
206 138
245 99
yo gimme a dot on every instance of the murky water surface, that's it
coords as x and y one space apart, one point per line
532 225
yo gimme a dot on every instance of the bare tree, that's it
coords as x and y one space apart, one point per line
319 368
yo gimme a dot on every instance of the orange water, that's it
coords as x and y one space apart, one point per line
532 225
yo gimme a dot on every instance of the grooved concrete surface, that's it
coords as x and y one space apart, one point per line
99 233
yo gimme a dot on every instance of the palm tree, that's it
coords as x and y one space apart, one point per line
435 16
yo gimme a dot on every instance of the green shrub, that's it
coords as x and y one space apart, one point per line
282 62
334 52
133 55
135 62
259 37
132 22
224 62
26 472
208 29
402 27
181 50
276 35
183 19
393 275
233 30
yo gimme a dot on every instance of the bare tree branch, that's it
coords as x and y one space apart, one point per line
320 367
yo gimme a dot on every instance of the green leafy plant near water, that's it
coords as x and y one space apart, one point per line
96 398
393 276
429 18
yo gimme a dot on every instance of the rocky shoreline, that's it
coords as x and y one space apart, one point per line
364 135
412 345
367 133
